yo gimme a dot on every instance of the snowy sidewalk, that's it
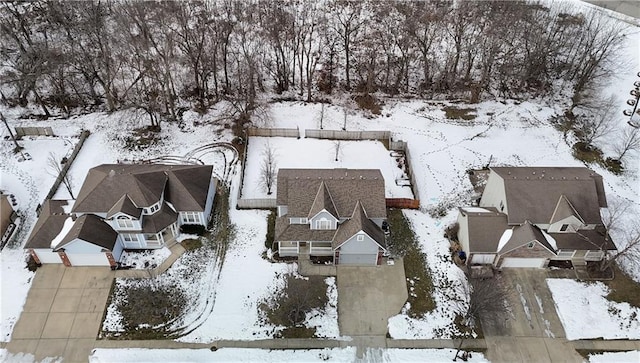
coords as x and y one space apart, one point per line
176 251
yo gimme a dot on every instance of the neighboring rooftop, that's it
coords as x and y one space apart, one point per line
49 224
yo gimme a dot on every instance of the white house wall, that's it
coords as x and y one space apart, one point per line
494 193
211 194
463 231
282 210
88 259
81 246
47 255
117 250
573 222
378 221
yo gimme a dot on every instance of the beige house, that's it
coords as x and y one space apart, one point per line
528 216
123 207
331 212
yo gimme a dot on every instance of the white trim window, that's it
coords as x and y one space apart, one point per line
124 222
323 224
153 239
191 218
154 208
360 237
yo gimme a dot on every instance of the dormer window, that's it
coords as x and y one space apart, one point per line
323 224
124 222
564 228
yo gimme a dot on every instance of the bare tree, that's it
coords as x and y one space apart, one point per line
337 149
321 117
268 168
290 306
54 169
598 121
487 299
628 141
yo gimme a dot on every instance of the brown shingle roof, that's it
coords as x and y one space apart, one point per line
524 234
322 201
126 206
358 222
485 229
92 229
297 189
583 240
159 220
532 192
144 184
49 224
301 232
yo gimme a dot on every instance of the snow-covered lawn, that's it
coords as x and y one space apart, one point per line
615 357
585 312
315 153
144 259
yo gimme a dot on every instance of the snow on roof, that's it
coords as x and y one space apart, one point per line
476 210
506 236
550 239
67 207
68 223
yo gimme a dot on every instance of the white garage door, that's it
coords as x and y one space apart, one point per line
48 256
523 262
483 259
88 259
358 259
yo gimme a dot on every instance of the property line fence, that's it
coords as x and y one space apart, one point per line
33 131
273 132
348 135
402 146
403 203
65 168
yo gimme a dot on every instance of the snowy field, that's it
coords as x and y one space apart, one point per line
587 314
313 153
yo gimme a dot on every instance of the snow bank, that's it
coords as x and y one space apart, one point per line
15 281
616 357
585 312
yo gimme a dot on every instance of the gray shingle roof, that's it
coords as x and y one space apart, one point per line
297 189
126 206
532 192
563 210
92 229
300 232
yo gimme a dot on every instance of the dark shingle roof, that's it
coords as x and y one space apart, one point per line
49 224
563 210
532 192
583 240
485 229
159 220
358 222
126 206
92 229
297 189
144 184
301 232
524 234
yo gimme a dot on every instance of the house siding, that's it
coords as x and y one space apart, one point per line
366 246
463 231
494 193
81 246
282 210
324 215
572 221
211 194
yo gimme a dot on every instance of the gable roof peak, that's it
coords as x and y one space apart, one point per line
323 201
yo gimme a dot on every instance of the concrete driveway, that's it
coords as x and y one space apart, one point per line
533 332
368 296
63 312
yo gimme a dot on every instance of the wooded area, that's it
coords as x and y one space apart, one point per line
168 56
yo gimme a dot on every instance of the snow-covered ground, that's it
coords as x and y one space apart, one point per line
261 355
616 357
585 312
144 259
314 153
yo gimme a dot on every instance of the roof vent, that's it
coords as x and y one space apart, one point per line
564 178
534 173
112 173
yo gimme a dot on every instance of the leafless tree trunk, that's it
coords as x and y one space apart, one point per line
598 121
629 141
55 169
268 171
337 147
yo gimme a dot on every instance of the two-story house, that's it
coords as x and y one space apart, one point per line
123 206
331 212
528 216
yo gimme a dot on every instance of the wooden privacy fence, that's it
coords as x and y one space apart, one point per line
403 203
348 135
273 132
254 203
33 131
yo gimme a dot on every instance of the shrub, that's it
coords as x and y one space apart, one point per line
587 153
271 229
198 229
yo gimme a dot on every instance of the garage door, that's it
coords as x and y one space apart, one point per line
88 259
523 262
482 259
358 259
48 256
